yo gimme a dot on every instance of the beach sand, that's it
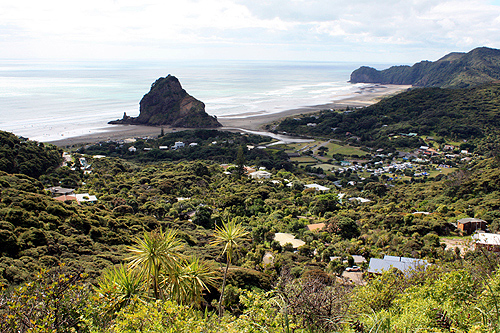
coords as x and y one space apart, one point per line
365 96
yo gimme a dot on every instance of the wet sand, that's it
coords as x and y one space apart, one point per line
366 96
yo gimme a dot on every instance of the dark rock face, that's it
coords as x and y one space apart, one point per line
458 70
168 104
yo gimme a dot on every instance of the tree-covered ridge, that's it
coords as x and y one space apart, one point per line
455 114
457 70
214 145
31 158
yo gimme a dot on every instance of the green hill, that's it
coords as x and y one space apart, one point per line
456 114
478 66
27 157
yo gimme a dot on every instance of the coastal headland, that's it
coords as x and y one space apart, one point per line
365 96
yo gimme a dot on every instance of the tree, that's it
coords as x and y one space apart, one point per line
240 162
54 301
185 283
155 251
229 235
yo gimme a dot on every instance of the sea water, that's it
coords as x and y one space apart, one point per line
47 101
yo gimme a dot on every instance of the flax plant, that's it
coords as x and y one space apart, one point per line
230 235
153 253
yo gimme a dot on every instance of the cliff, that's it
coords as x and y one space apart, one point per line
168 104
457 70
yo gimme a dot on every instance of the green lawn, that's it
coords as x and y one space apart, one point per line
303 159
324 166
334 148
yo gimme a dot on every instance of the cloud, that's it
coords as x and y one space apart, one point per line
140 28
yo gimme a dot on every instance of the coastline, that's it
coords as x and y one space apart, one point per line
366 96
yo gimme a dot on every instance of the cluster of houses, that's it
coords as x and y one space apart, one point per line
177 145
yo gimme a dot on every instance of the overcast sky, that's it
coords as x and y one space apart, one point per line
388 31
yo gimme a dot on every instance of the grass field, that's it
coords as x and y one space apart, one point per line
325 167
444 171
303 159
334 148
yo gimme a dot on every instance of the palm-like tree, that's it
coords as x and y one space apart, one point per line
119 286
186 282
229 235
154 252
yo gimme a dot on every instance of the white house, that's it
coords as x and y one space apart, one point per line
284 238
405 265
132 149
317 187
85 197
261 174
177 145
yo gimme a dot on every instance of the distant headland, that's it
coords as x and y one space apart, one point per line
168 104
455 70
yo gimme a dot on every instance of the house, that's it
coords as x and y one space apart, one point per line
248 170
360 199
318 187
163 147
58 190
261 174
85 197
65 198
177 145
193 144
487 241
315 226
470 225
404 264
132 149
284 238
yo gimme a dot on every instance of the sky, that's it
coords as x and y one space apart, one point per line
385 31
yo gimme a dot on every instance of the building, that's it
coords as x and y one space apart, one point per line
85 197
284 238
315 226
487 241
470 225
318 187
58 191
360 199
261 174
403 264
132 149
177 145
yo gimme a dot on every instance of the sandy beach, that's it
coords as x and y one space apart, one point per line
366 96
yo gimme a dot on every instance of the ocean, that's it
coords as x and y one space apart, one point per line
47 101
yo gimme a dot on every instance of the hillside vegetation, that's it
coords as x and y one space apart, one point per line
31 158
453 114
459 70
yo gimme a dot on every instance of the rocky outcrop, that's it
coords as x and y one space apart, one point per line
168 104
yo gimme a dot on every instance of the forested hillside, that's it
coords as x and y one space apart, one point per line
472 115
193 197
457 70
27 157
